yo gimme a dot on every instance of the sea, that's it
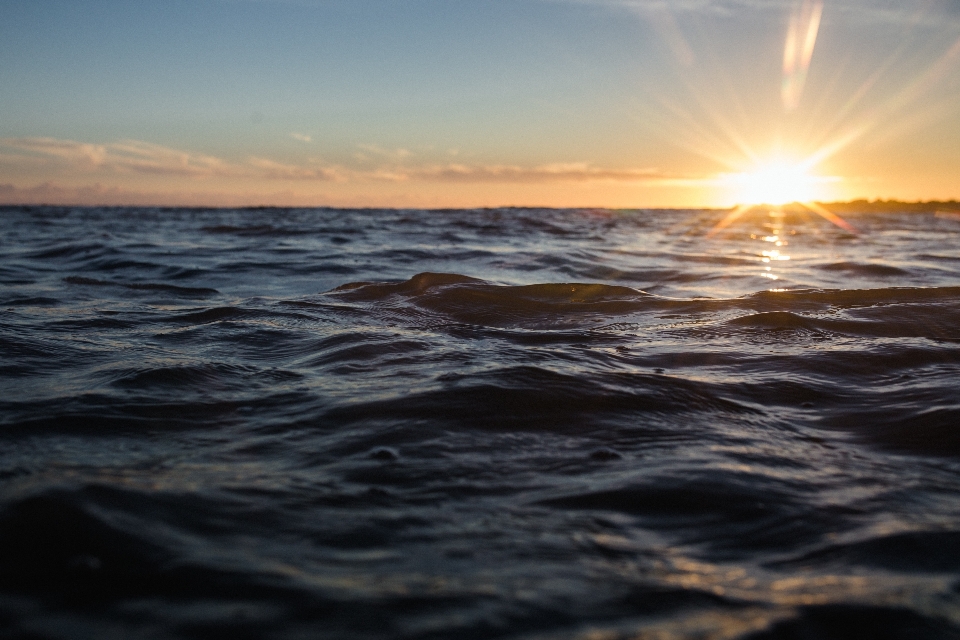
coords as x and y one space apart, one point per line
537 424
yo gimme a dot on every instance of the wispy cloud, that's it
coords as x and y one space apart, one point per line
557 172
272 170
302 137
77 153
98 194
125 156
396 155
55 158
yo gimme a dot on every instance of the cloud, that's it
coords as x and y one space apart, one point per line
390 154
272 170
557 172
97 194
135 156
126 156
78 153
301 137
55 158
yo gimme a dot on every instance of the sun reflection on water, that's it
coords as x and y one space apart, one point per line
768 256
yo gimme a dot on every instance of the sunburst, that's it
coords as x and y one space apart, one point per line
777 183
787 165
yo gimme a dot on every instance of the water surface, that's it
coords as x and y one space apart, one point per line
502 423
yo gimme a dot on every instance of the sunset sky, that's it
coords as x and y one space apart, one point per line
437 103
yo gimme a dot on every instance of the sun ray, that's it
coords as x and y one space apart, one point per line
896 104
729 219
717 139
784 165
831 216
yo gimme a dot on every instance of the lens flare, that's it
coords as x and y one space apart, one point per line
798 50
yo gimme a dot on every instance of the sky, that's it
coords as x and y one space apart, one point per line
445 103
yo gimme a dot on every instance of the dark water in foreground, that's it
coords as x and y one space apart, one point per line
478 424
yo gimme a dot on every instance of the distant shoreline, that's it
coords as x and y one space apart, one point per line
949 208
874 206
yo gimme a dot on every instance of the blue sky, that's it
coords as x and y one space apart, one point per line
440 103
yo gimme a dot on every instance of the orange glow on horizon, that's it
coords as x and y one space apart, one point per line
776 183
727 125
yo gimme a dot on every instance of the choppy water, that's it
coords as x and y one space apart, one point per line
478 424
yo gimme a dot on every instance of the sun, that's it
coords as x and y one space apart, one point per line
775 183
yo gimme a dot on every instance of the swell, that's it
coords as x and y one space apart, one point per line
107 415
198 443
866 269
932 312
933 551
745 512
79 551
536 398
144 286
81 548
938 322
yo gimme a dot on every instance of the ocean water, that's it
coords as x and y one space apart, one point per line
498 423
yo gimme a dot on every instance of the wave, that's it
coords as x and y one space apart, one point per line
932 312
866 269
926 551
529 397
144 286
